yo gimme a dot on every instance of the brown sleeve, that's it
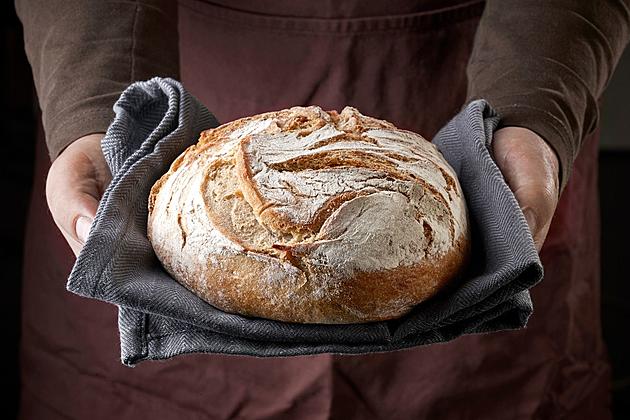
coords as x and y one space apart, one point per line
85 53
544 64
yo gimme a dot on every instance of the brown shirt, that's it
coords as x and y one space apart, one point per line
542 65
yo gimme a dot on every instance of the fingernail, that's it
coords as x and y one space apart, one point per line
83 228
531 220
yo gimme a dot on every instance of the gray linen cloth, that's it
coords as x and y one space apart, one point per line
158 318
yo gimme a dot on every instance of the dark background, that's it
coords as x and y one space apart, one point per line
18 146
20 113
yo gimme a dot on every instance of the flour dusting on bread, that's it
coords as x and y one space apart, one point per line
327 207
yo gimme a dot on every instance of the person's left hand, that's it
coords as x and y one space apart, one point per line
530 167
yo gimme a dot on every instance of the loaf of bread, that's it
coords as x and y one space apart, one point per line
311 216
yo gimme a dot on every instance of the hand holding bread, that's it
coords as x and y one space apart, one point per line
531 169
305 215
74 186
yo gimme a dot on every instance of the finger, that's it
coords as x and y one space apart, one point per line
73 191
538 205
73 199
530 168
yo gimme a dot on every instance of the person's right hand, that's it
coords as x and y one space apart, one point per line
74 186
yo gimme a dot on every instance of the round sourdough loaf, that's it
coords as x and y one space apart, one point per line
311 216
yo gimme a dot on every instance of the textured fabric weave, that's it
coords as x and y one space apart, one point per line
158 318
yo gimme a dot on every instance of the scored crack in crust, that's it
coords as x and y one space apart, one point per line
311 216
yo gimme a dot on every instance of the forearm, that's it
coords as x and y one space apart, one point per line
84 53
543 65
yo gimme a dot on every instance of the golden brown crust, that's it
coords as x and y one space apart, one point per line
216 229
368 297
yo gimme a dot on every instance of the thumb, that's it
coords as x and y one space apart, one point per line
530 167
73 189
82 227
73 209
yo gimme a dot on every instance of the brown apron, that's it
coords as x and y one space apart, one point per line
400 60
